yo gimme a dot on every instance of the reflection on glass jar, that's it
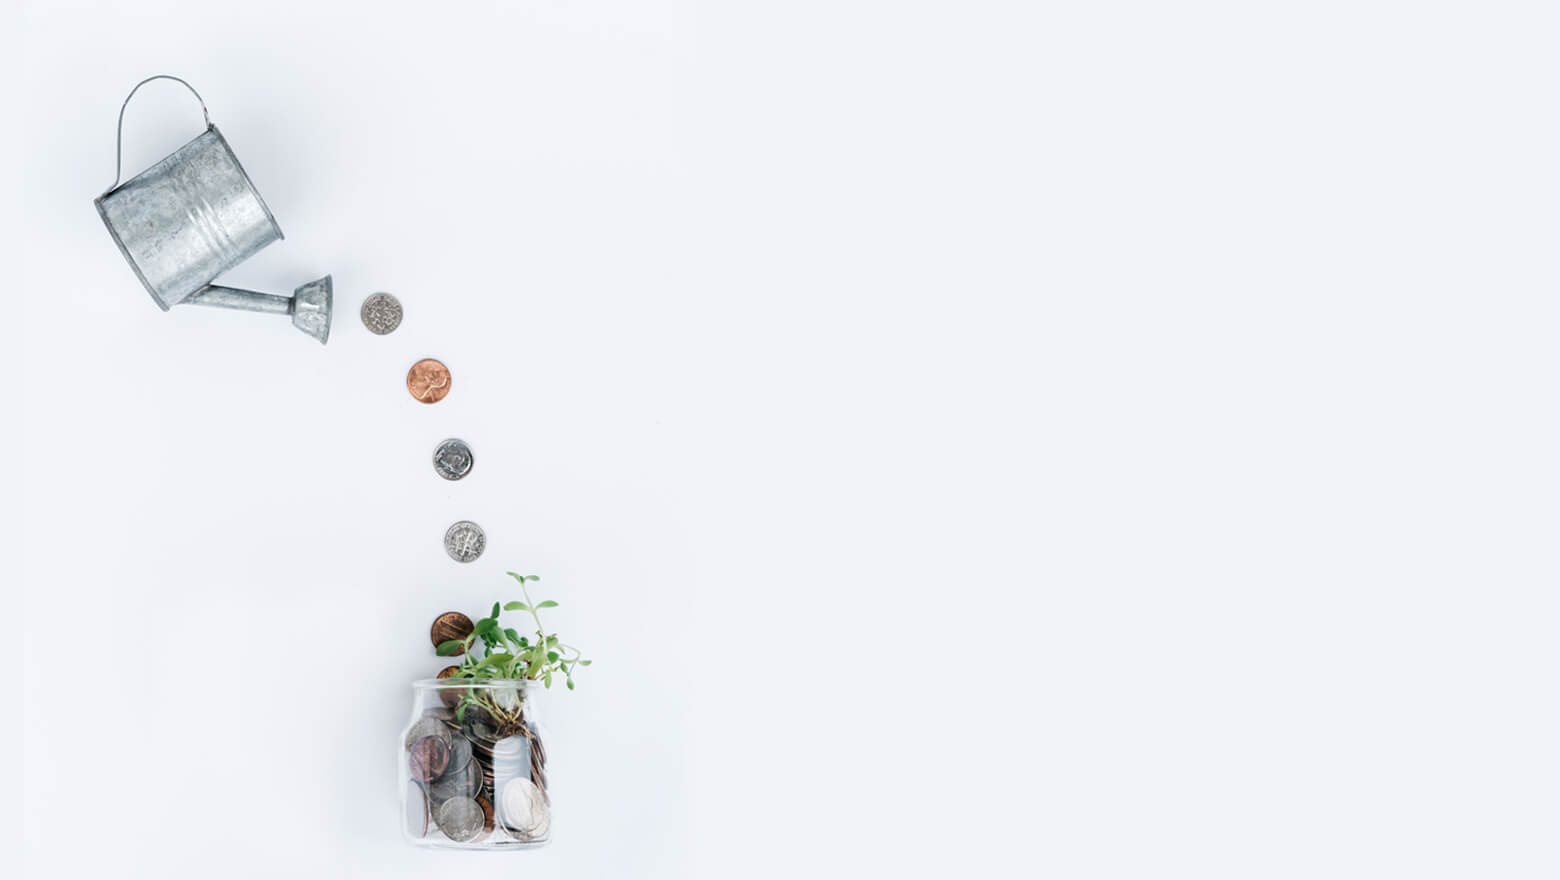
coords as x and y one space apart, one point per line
473 767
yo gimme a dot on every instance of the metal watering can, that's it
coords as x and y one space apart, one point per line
194 215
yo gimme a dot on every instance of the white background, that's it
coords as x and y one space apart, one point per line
973 439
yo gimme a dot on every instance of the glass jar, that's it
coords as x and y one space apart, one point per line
472 766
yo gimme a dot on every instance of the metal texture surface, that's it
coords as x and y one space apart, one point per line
465 541
187 219
309 306
452 460
381 314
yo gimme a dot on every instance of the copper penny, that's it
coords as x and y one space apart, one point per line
451 696
428 759
428 380
451 626
487 816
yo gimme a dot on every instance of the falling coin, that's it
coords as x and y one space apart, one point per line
459 818
381 313
465 541
451 626
430 755
452 460
428 380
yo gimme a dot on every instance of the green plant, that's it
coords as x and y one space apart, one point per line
506 654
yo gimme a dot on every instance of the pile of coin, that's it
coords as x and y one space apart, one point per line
429 381
456 764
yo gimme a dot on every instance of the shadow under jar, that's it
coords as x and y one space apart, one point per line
473 769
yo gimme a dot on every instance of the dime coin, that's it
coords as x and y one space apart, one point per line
426 727
465 541
429 757
451 626
523 810
428 380
381 313
452 460
459 818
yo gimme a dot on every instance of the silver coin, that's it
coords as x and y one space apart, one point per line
460 752
459 818
465 541
523 809
427 727
381 313
416 810
452 460
456 783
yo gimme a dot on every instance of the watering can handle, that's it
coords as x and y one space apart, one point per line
119 142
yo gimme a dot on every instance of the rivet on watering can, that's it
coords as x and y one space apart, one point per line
194 215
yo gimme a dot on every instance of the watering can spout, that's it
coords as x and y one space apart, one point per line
309 306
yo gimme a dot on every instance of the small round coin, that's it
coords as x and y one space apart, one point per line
460 819
381 313
465 541
451 626
452 460
523 809
428 380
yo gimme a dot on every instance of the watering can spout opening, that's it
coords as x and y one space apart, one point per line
311 308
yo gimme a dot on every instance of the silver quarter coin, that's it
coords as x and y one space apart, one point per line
381 313
427 727
452 460
460 819
464 782
465 541
523 809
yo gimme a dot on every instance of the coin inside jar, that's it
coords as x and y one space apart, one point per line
460 819
428 380
430 756
451 626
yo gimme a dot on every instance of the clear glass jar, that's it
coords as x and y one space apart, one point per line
472 766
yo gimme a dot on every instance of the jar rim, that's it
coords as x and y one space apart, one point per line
445 683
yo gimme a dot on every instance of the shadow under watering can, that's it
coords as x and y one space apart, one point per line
194 215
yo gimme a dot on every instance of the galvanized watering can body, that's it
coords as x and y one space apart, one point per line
184 221
194 215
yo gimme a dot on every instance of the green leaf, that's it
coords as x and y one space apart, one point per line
571 684
552 656
532 577
485 626
518 577
584 662
524 643
547 603
494 615
512 635
460 713
493 660
514 606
